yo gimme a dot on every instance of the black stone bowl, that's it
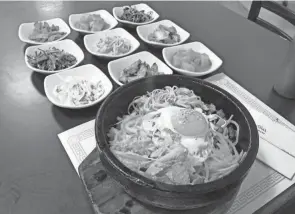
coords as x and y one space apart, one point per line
176 197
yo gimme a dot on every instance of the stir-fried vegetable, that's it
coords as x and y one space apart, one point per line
137 70
43 32
164 34
51 59
138 16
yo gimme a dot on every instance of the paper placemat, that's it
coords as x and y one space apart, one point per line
269 123
262 184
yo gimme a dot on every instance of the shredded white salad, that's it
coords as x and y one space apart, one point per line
114 45
78 91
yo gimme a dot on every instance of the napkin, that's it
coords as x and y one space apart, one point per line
275 133
276 145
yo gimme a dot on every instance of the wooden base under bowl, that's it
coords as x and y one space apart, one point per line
107 196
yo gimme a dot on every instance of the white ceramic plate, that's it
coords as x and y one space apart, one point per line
115 67
145 30
108 18
198 47
25 30
118 11
91 40
88 72
67 45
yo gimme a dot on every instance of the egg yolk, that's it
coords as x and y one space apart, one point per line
189 123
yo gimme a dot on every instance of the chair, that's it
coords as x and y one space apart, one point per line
285 3
275 8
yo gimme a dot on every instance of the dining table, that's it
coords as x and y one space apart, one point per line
36 175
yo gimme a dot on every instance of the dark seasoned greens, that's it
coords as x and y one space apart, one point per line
52 59
137 16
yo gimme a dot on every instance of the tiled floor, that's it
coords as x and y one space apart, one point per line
242 8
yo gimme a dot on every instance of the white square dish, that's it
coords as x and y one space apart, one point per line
91 40
67 45
168 52
25 30
108 18
118 11
88 72
115 67
145 30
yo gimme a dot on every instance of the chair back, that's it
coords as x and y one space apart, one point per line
275 8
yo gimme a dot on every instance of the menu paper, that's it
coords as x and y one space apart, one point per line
269 176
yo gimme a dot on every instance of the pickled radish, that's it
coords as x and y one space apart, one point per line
190 60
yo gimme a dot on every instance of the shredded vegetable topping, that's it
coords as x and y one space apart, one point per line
171 135
113 45
78 92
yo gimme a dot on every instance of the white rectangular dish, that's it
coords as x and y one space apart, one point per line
25 30
168 52
88 72
108 18
67 45
115 67
91 40
118 12
145 30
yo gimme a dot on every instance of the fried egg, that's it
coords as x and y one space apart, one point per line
191 125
